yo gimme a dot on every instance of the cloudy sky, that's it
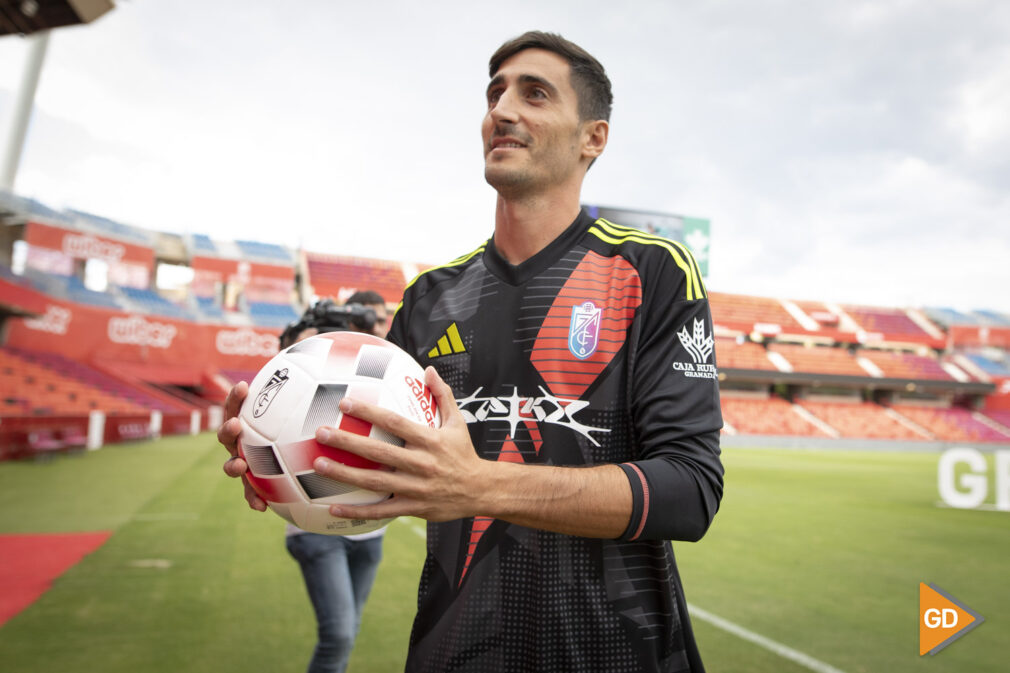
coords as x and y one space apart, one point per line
852 151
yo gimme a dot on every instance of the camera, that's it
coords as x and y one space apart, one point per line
326 316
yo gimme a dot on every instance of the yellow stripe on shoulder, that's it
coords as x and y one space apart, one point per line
694 265
616 234
462 259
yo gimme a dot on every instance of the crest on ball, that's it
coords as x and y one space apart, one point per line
267 394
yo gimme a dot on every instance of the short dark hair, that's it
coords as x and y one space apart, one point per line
370 297
589 79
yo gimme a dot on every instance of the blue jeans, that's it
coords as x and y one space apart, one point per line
338 576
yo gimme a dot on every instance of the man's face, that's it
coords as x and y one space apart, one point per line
381 320
531 131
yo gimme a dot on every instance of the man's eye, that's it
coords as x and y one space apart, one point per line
493 97
537 92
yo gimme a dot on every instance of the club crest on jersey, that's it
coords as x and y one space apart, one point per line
584 330
269 391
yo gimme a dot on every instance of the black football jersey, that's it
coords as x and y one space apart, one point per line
596 350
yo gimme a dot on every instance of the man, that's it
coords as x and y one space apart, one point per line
338 570
572 362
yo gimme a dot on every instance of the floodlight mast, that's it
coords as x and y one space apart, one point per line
23 108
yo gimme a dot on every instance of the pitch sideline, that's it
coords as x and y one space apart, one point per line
783 651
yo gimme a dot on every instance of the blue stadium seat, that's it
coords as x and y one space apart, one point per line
152 302
76 291
992 318
117 228
209 308
993 367
50 283
949 316
70 288
202 243
272 315
264 250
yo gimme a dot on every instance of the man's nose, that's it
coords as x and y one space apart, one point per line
505 109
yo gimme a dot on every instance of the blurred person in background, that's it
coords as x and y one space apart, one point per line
338 570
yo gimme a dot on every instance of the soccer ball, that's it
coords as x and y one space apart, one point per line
298 391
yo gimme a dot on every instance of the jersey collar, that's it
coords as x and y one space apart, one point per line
540 262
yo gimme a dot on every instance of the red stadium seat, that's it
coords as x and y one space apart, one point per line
951 424
766 416
861 420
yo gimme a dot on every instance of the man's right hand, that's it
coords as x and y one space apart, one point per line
228 435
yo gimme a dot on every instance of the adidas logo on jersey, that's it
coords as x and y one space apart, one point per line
449 343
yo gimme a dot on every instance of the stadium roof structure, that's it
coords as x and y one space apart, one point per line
24 17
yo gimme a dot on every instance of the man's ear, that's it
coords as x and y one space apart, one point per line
594 138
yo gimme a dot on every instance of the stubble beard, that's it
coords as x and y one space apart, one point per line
536 173
509 183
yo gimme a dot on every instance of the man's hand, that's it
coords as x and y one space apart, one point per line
228 435
437 475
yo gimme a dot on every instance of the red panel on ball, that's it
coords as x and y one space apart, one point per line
271 489
355 425
344 350
299 456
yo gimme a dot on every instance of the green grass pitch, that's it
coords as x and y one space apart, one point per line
821 551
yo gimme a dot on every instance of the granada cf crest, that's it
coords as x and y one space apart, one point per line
269 391
584 330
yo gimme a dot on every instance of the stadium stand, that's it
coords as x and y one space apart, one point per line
766 416
818 359
992 318
948 317
743 312
272 315
888 321
209 308
105 225
992 362
826 357
853 418
267 251
41 390
951 423
821 313
203 244
903 365
70 288
76 291
333 276
1000 416
730 354
979 317
149 301
100 383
